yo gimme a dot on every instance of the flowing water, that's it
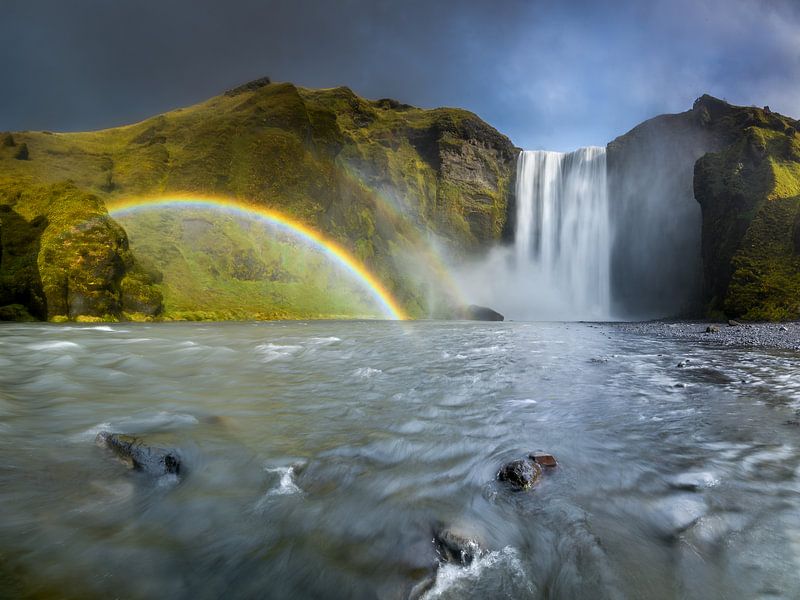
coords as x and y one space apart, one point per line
563 233
319 457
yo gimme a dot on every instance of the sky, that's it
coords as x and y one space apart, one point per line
554 74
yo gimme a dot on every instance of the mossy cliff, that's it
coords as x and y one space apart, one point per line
62 257
750 195
380 177
708 213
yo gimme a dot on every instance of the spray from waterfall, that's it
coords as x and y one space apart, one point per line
560 265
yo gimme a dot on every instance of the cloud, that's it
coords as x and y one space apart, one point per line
548 74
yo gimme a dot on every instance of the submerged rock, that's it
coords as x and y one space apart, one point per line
521 474
482 313
138 456
456 547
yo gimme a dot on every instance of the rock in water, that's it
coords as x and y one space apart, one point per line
455 547
521 474
482 313
545 460
138 456
712 329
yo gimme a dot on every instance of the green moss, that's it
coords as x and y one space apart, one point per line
750 195
62 253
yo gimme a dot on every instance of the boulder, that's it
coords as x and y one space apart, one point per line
456 547
520 474
140 457
712 329
482 313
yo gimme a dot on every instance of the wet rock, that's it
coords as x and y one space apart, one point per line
521 474
481 313
733 323
712 329
544 460
138 456
456 547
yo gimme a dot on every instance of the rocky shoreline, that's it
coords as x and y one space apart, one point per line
785 336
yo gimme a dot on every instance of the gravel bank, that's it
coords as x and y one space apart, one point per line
757 335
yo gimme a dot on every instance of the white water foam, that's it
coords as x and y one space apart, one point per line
454 581
286 485
270 352
366 372
61 345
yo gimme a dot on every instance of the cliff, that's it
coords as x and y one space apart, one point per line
706 206
379 177
749 192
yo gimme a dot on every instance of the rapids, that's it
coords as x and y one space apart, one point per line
318 456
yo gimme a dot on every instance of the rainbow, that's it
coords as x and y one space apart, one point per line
432 258
240 208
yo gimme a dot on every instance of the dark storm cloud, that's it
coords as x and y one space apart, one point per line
549 74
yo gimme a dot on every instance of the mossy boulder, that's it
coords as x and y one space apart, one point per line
63 256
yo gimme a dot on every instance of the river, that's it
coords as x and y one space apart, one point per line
319 457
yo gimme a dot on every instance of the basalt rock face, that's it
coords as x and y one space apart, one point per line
62 257
380 177
706 209
656 258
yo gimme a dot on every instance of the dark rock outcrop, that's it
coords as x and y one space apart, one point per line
521 474
139 456
481 313
656 265
707 203
455 547
250 86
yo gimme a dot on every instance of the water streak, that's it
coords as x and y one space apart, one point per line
563 232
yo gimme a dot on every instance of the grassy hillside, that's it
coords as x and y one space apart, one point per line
219 266
379 177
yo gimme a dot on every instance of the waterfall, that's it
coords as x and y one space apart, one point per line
563 234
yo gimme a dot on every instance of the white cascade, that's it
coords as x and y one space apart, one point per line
563 234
